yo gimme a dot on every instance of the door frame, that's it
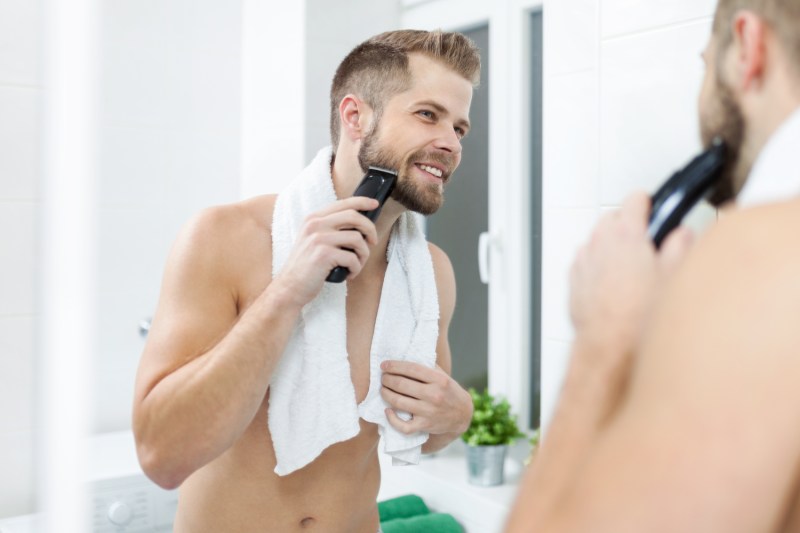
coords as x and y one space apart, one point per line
509 184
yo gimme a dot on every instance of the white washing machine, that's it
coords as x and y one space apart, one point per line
123 499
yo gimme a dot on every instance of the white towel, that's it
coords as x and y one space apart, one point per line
312 399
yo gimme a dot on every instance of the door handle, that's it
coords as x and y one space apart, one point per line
484 241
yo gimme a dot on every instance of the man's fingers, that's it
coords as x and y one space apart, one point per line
353 220
410 370
675 247
403 426
358 203
341 221
402 385
399 401
349 240
636 208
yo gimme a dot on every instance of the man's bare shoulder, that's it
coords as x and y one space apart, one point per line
738 290
220 241
754 243
250 215
233 224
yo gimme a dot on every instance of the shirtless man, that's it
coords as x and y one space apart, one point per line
222 323
680 408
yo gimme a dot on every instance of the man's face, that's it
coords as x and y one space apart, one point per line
721 116
419 134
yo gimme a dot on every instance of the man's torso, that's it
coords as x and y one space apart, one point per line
239 491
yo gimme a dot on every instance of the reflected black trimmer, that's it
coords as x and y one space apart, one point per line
378 183
676 197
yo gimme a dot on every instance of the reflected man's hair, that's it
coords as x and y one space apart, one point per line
782 15
378 68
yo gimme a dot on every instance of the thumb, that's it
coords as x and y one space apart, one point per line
675 248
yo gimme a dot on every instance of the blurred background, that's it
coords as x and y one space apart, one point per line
202 102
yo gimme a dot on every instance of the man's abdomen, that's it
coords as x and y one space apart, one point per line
239 492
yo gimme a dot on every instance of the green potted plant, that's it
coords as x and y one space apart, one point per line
491 430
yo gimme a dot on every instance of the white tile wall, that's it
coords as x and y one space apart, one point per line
20 104
18 256
273 89
17 383
19 142
571 122
135 162
17 484
627 16
141 85
134 242
648 110
170 146
555 361
20 48
641 128
576 49
564 231
169 109
330 35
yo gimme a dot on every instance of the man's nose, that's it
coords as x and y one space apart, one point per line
448 141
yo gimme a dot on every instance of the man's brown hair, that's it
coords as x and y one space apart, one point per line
377 69
782 15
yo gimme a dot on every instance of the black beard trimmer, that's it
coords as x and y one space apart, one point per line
378 183
679 194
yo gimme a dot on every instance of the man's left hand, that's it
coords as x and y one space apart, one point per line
437 403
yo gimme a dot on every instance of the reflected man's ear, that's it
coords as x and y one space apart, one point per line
749 45
355 116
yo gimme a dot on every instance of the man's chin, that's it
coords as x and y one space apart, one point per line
421 208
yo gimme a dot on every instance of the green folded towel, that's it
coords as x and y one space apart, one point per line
428 523
402 507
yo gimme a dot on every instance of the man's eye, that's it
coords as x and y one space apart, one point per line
460 132
427 114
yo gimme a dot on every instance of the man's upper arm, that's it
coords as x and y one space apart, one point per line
446 289
197 305
706 438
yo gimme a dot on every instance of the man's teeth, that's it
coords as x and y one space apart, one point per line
433 170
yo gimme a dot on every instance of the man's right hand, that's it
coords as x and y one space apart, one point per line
335 236
616 275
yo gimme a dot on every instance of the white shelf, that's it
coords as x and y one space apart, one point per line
441 480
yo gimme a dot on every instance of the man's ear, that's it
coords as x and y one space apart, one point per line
355 116
750 47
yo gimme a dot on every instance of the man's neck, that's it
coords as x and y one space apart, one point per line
768 110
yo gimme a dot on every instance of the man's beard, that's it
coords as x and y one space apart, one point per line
423 198
724 119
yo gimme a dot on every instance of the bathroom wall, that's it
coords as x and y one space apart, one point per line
21 25
203 102
200 103
170 128
332 30
620 90
289 58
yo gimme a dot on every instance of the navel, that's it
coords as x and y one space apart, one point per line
307 522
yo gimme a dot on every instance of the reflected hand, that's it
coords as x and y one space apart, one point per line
437 403
338 235
616 276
